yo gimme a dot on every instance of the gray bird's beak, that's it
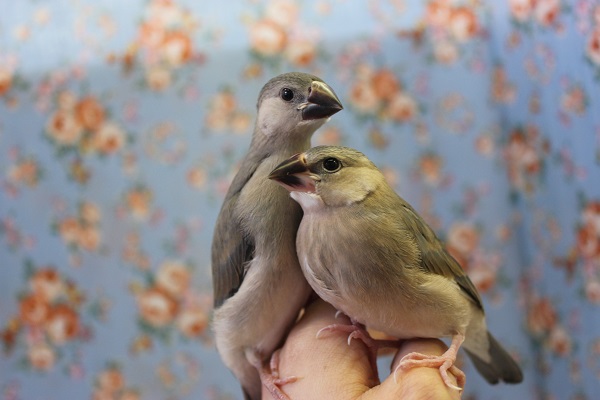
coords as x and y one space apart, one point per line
294 175
322 102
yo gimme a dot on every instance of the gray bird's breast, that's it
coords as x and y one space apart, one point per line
266 209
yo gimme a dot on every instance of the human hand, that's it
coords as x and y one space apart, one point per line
329 368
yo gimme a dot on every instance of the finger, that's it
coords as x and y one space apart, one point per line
327 367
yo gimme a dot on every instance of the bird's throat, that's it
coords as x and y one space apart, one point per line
309 201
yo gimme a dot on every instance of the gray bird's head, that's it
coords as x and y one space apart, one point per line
295 104
330 176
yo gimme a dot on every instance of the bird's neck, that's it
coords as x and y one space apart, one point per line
290 142
310 202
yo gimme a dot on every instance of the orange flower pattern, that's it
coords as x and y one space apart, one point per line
164 44
122 127
277 36
50 318
81 232
168 304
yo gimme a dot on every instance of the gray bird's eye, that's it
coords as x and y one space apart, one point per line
332 164
287 94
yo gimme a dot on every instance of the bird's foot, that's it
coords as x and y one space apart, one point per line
274 364
269 375
444 362
357 331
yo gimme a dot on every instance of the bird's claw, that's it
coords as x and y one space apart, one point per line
357 331
354 335
443 363
269 375
328 328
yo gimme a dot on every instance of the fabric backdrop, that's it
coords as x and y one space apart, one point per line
122 124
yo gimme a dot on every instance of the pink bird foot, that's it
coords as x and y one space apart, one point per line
269 375
274 364
445 363
357 331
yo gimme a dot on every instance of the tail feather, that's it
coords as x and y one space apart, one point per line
502 366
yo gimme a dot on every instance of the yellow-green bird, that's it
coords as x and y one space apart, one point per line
367 252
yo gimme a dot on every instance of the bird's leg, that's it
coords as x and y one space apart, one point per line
357 331
269 374
445 363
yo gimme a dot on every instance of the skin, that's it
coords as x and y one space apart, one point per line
330 368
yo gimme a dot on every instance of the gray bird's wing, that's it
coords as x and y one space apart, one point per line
231 247
434 257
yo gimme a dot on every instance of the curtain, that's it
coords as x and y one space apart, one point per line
123 123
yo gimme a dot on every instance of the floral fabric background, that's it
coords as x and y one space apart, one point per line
122 124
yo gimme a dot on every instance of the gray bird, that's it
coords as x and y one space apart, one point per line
258 285
367 252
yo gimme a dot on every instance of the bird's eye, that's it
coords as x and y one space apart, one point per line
331 164
287 94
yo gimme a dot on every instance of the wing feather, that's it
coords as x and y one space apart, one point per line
232 248
434 257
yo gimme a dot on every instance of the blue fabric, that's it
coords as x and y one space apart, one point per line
122 124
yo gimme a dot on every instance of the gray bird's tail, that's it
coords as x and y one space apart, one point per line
502 366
